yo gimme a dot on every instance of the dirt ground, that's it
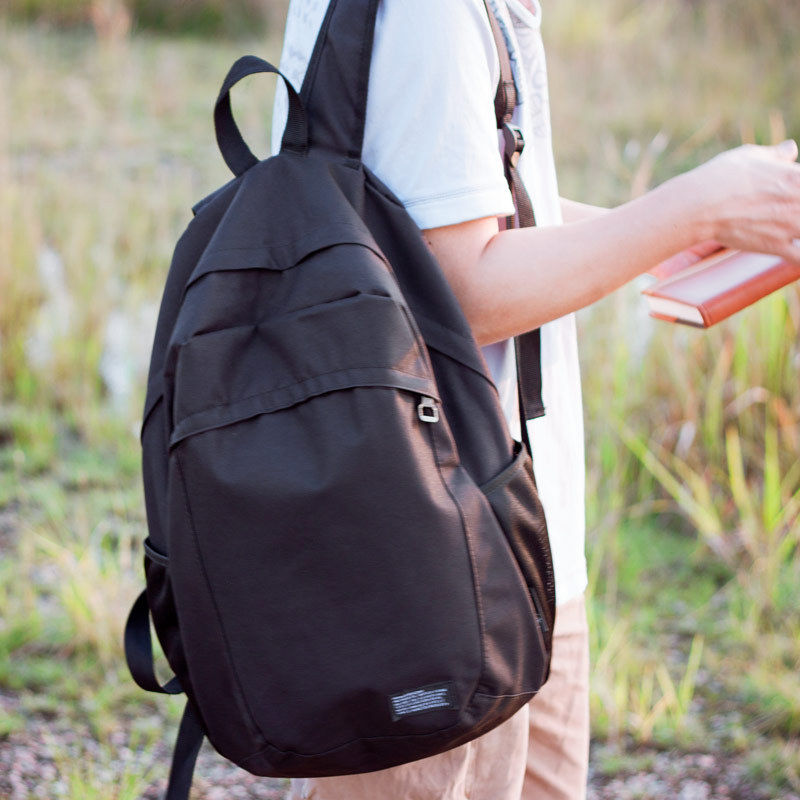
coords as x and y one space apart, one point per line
38 762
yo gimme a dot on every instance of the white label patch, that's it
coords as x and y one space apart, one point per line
426 698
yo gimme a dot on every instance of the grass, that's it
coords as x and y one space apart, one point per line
692 437
114 19
693 483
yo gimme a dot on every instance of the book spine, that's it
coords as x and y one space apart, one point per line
724 305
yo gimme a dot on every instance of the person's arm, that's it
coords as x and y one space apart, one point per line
515 280
573 211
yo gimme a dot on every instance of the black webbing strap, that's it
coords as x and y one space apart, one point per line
139 650
139 655
184 755
527 345
336 83
236 153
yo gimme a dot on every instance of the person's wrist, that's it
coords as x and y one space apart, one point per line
684 201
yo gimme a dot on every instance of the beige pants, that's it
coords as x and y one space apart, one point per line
541 753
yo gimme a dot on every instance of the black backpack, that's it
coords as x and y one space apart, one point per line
347 564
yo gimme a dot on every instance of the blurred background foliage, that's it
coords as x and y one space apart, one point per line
116 18
693 438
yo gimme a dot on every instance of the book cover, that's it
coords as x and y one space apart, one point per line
717 286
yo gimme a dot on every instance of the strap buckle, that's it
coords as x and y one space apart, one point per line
514 142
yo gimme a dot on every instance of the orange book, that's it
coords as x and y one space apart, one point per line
710 290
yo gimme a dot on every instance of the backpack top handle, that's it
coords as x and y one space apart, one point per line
235 151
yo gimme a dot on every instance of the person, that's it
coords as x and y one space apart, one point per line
431 137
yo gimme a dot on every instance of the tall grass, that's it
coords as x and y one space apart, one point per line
108 151
694 431
114 19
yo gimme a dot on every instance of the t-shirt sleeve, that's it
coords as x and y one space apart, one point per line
431 134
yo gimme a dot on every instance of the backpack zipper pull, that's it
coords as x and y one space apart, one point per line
427 410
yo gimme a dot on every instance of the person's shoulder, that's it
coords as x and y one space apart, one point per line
435 9
445 34
435 17
431 132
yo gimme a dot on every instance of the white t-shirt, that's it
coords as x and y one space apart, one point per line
431 137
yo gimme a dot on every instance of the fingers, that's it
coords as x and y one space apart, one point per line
673 264
684 259
792 253
788 251
706 248
786 150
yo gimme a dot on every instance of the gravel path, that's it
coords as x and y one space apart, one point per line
679 776
42 761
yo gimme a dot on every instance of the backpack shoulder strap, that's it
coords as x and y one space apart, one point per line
334 91
506 98
505 101
528 346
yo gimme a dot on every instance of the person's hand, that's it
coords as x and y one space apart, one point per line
749 199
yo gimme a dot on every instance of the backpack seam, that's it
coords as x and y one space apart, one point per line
472 559
287 242
198 553
194 279
401 737
312 377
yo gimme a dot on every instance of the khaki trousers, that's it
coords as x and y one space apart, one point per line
541 753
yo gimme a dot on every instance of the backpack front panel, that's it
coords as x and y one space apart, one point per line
325 568
318 589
